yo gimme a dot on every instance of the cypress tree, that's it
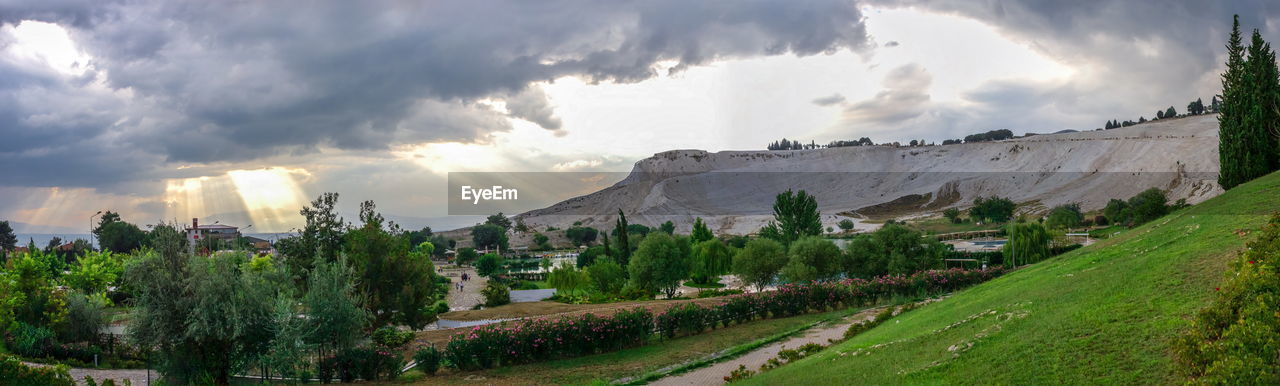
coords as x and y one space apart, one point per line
1229 121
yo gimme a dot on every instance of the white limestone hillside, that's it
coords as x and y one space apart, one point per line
734 190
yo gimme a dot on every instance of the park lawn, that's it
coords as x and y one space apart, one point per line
1106 313
637 361
940 225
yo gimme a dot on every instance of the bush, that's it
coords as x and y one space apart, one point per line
428 360
14 372
360 363
391 338
31 341
532 340
711 293
1235 339
495 294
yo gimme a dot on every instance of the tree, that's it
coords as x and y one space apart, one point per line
624 249
1065 216
591 255
812 258
892 249
607 276
660 263
1171 113
499 220
396 287
759 262
1248 121
541 242
489 236
1148 205
467 255
8 240
419 236
846 225
320 240
204 317
668 227
700 232
1116 211
495 294
992 209
488 264
568 280
1160 114
94 271
120 237
580 235
1028 243
711 258
795 215
952 214
335 318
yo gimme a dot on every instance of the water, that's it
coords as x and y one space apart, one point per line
42 239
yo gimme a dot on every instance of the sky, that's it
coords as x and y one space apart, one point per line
242 112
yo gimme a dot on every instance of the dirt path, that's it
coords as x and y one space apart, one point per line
714 374
469 296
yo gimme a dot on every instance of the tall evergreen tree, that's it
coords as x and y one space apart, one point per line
1262 120
1230 149
624 250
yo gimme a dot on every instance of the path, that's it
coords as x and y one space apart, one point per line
135 376
714 374
470 295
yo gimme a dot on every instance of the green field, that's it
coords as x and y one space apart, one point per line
1102 314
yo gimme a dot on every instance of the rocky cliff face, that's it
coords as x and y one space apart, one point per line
734 190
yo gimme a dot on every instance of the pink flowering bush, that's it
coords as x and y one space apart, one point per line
534 340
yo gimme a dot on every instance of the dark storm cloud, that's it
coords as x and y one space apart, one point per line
905 96
231 81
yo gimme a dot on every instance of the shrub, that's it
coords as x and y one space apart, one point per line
31 341
391 338
495 294
13 371
428 360
1235 339
711 293
360 363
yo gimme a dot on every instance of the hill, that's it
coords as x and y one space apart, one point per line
734 190
1106 313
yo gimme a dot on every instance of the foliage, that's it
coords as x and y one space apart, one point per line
428 359
660 263
1117 211
579 235
846 225
8 240
495 294
360 363
541 242
622 231
31 340
700 231
1065 216
335 318
86 315
567 279
795 215
120 237
1234 340
1148 205
489 264
759 262
1028 243
321 238
14 372
535 340
993 135
711 258
607 276
591 255
467 255
992 209
1248 122
390 337
204 318
668 227
812 258
716 292
499 220
396 287
952 214
94 271
892 249
489 236
40 304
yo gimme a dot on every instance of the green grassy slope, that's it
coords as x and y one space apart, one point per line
1102 314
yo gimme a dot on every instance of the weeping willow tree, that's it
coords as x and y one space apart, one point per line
1028 243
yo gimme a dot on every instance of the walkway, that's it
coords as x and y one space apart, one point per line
470 295
714 374
136 377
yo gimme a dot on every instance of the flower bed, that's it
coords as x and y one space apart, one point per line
534 340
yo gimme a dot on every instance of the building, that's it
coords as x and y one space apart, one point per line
196 233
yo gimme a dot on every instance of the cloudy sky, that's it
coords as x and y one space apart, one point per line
243 110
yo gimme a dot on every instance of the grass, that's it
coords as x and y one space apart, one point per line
1102 314
691 284
646 360
940 225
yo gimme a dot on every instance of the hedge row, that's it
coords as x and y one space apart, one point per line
533 340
